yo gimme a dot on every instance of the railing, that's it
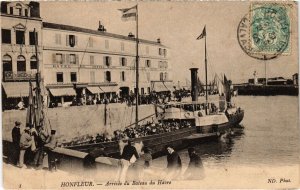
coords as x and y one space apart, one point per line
19 76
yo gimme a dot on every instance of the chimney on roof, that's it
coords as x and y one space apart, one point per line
101 27
158 40
130 35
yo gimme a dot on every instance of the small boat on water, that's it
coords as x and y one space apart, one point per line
193 121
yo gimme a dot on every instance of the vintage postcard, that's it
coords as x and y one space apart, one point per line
150 94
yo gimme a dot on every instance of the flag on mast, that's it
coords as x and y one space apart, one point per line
203 34
129 13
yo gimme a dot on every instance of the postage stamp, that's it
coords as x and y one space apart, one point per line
264 33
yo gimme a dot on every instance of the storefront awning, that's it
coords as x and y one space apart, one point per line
94 89
106 89
56 92
18 89
162 86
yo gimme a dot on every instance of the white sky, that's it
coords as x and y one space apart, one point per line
178 24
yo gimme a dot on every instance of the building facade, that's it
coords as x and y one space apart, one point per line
76 62
20 25
95 62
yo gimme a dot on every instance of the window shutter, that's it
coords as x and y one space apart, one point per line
54 58
121 76
125 59
77 59
76 40
67 58
67 40
110 61
104 76
63 58
120 59
104 61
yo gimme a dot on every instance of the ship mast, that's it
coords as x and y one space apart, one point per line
137 69
206 97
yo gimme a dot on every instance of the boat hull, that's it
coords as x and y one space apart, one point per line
176 138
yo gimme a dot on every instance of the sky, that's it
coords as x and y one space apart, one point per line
178 24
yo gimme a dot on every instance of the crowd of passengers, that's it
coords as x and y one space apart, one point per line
130 132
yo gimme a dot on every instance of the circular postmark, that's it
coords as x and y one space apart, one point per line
264 32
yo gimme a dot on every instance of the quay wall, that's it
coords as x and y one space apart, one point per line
75 121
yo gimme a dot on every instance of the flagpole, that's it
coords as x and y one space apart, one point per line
206 98
137 68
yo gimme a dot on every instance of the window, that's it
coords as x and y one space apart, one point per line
123 61
73 77
33 63
32 38
149 90
21 63
6 36
160 64
107 76
92 60
26 12
20 37
166 76
159 51
71 40
92 76
11 10
72 59
107 61
7 63
161 76
59 77
106 44
57 39
122 46
123 76
148 76
166 64
58 58
147 50
91 44
148 63
142 91
165 53
19 9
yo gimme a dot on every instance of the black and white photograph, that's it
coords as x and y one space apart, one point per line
150 94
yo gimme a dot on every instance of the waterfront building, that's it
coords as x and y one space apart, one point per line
74 61
20 23
84 63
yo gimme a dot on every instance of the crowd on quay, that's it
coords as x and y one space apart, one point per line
129 133
33 147
152 98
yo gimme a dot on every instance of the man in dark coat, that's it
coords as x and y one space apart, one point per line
174 163
126 160
16 135
195 169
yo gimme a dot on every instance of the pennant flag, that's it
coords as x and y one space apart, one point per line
203 34
129 13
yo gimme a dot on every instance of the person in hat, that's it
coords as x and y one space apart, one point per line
16 135
50 146
174 163
195 169
25 144
129 154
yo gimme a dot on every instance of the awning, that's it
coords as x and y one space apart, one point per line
94 89
18 89
162 86
106 89
68 91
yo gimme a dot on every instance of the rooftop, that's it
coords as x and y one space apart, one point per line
96 32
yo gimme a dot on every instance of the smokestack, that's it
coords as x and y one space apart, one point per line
194 87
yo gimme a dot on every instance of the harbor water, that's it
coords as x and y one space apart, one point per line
270 136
